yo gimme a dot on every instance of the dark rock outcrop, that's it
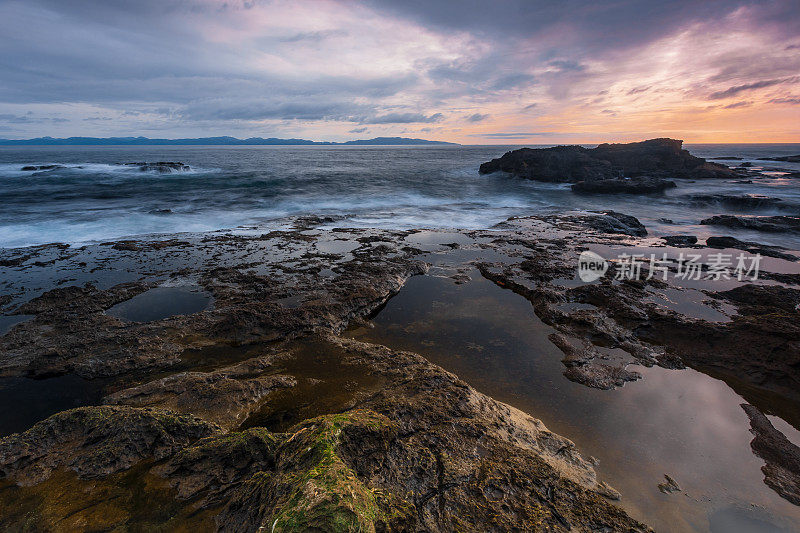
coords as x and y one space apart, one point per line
161 166
748 246
680 240
97 441
426 452
775 224
641 185
742 202
655 157
782 458
787 158
614 222
30 168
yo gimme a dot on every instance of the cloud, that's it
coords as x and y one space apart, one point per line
194 67
637 90
733 91
28 118
402 118
313 36
502 135
264 110
357 130
738 104
476 117
790 101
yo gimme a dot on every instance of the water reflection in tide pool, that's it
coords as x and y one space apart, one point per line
677 422
161 302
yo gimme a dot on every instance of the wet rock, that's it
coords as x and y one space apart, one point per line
680 240
749 246
225 397
772 224
29 168
212 466
641 185
744 201
72 334
782 458
669 485
765 296
655 157
614 222
131 246
96 442
426 452
161 166
755 349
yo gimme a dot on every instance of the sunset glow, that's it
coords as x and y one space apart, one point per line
509 73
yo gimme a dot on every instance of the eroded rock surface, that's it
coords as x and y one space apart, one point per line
426 451
254 413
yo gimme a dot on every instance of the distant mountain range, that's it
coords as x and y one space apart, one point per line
220 141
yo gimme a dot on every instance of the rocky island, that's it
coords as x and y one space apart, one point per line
605 169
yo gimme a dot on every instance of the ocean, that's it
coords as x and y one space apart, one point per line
93 196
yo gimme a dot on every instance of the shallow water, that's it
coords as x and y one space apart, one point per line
677 422
24 401
159 303
94 197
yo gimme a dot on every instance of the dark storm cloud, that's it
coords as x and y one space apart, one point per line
597 26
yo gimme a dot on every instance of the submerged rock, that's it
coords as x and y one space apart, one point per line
641 185
655 157
669 485
772 224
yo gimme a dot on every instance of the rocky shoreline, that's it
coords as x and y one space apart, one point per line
254 412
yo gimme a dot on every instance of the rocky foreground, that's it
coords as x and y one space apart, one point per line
255 414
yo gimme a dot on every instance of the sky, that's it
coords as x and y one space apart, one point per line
473 72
